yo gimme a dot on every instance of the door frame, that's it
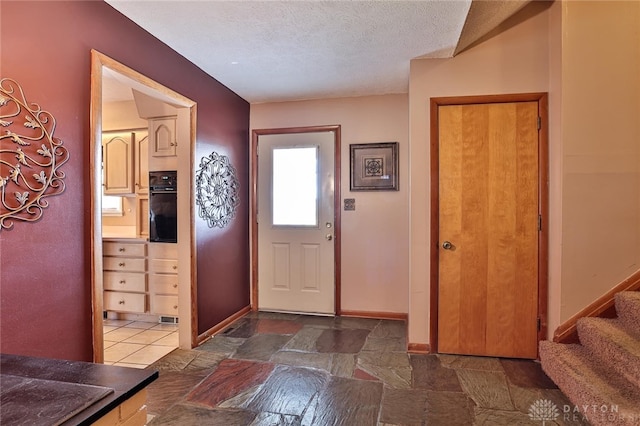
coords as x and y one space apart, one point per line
543 197
187 306
255 134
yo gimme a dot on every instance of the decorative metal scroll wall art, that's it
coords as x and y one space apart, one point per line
30 157
217 190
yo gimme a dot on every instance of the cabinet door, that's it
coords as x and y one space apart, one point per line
164 305
142 163
164 284
163 137
163 266
142 209
117 163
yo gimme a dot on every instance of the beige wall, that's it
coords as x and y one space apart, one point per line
515 61
601 148
375 237
121 115
586 55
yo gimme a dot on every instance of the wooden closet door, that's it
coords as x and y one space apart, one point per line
488 229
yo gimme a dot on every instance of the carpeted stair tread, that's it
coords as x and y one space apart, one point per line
613 345
586 382
628 309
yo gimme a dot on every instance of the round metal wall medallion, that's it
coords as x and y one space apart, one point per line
217 190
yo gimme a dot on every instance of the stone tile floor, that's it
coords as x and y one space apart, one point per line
286 369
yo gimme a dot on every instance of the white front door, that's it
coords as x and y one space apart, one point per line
296 222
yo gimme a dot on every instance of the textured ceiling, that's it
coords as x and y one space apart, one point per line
268 51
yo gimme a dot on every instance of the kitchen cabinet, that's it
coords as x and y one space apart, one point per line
163 279
117 162
125 156
142 212
163 141
141 163
124 265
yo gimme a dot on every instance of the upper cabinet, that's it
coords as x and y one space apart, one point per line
125 156
117 157
163 137
142 163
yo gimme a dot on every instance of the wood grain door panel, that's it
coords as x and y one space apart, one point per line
488 210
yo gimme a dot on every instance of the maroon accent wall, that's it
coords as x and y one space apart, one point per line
45 281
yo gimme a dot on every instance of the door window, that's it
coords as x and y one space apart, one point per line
295 186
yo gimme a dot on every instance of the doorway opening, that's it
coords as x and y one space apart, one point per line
125 261
296 259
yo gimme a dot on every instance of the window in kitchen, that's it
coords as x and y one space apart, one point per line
111 205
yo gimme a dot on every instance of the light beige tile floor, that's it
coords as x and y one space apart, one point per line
137 344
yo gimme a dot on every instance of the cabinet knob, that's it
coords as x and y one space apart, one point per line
122 281
175 267
175 306
121 302
121 264
121 249
175 286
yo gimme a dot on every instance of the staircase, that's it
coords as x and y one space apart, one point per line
601 375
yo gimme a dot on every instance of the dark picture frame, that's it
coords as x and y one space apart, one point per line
374 166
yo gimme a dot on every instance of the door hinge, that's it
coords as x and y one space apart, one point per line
538 324
539 222
539 123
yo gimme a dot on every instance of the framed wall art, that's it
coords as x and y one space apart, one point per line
374 166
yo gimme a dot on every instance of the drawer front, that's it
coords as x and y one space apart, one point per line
164 305
164 284
124 302
125 281
163 250
124 264
163 266
116 248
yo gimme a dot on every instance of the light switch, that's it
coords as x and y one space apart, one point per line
349 204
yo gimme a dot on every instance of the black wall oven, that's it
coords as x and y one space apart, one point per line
163 207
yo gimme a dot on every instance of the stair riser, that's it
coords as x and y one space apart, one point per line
608 350
565 370
628 309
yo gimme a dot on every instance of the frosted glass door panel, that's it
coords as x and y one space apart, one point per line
295 186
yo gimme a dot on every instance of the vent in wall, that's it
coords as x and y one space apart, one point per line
168 320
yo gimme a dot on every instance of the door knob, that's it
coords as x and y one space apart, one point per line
329 237
447 245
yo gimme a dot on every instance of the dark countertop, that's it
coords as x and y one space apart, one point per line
40 391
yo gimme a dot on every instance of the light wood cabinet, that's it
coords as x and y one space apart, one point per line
117 162
118 301
163 141
142 212
124 265
142 163
163 278
125 281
